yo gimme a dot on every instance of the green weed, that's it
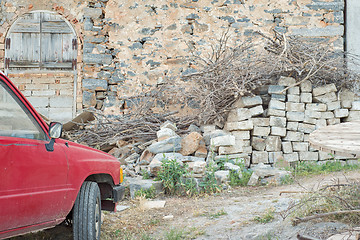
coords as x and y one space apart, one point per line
267 217
312 168
146 193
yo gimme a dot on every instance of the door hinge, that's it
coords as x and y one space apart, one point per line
73 65
7 63
74 44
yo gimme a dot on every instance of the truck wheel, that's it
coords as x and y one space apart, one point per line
87 212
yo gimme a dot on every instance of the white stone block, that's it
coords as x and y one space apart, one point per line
306 97
331 106
306 86
308 156
291 157
278 131
292 126
243 125
294 91
295 107
277 121
320 107
293 98
260 157
300 146
324 89
306 128
275 104
341 113
287 147
294 136
295 116
261 131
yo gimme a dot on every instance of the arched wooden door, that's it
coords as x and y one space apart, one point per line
43 45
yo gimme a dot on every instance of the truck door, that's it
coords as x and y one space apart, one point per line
32 179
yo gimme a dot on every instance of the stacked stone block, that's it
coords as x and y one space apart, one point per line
281 132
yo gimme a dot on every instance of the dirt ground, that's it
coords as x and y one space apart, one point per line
227 215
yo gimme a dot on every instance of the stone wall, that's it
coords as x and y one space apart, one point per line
127 47
275 126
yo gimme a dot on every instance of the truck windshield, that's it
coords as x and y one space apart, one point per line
15 118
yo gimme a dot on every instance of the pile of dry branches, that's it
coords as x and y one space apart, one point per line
105 131
231 72
334 202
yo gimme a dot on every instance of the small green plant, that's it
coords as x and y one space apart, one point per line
311 168
145 174
209 183
171 174
218 214
191 187
286 180
146 193
175 234
267 217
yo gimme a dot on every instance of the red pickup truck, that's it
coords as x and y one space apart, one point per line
45 180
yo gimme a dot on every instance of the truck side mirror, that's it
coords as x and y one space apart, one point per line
55 130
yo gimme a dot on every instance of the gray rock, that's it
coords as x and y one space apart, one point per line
222 176
169 145
136 184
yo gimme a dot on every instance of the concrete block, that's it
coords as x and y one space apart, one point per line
275 104
286 81
278 121
243 125
208 128
276 89
237 148
326 98
355 106
320 107
292 126
42 93
333 121
324 156
294 136
261 122
295 116
300 146
310 120
287 147
324 89
312 114
261 131
278 131
256 111
353 116
331 106
278 97
327 115
306 128
227 140
165 133
308 156
291 157
252 101
295 107
260 157
320 123
294 91
239 135
275 112
273 143
306 97
346 104
275 157
62 115
306 86
293 98
341 113
258 143
238 115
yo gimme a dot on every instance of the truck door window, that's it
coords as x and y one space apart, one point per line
15 119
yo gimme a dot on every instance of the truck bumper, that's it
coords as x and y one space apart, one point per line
118 193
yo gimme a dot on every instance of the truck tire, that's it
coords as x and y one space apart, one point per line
87 213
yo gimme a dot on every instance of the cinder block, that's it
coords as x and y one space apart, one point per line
243 125
278 131
341 113
306 97
300 146
306 86
261 122
260 157
61 101
278 121
275 104
326 98
39 102
292 126
256 111
295 107
275 112
226 141
295 116
293 98
287 147
324 89
261 131
294 136
312 114
286 81
331 106
276 89
308 156
252 101
306 128
320 107
245 135
294 91
62 115
291 157
273 144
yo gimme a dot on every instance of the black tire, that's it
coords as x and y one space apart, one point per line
87 213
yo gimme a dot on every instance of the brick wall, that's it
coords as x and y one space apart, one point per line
126 47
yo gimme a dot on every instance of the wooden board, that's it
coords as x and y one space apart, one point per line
340 139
